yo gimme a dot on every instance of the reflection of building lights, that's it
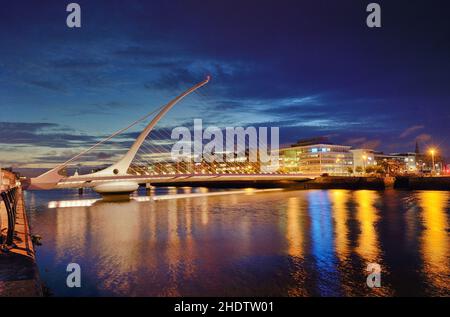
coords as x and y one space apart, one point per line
434 237
249 190
368 246
339 199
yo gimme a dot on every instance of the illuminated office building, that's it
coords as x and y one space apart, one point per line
310 157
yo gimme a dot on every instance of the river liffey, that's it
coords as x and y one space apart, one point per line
274 243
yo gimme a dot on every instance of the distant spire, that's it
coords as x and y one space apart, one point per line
417 147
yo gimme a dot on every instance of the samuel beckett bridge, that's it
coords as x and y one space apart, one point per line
149 161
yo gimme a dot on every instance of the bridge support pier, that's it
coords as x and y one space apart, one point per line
149 189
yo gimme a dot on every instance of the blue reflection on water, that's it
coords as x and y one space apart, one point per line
322 243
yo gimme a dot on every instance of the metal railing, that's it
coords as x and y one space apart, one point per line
10 199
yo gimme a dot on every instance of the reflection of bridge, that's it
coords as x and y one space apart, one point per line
117 178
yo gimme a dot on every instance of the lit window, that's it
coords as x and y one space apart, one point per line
314 150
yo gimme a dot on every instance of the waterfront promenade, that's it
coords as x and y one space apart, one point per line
19 275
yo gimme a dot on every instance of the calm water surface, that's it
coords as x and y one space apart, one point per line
288 243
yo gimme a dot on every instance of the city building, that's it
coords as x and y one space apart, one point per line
362 159
319 156
397 163
409 160
310 157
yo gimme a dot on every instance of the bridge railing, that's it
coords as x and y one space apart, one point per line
10 199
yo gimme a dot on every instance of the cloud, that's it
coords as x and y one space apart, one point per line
109 105
174 79
411 130
187 71
92 158
358 140
77 64
370 144
363 142
49 85
424 138
138 52
157 133
43 134
105 155
7 127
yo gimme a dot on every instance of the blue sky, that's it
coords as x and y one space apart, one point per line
311 67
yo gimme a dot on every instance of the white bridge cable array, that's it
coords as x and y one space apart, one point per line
96 145
154 157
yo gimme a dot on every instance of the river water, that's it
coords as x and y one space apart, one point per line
272 243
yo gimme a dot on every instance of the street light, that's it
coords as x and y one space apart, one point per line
432 152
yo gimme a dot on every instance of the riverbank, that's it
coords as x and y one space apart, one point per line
19 275
399 182
329 182
343 182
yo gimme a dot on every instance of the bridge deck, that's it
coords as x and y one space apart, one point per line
80 181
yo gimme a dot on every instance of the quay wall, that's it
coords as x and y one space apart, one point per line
423 183
328 182
331 182
343 182
19 274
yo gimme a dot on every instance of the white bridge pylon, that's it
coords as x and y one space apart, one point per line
51 178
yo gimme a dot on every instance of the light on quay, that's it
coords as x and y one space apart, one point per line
433 152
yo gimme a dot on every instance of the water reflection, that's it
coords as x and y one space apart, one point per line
295 227
297 237
366 214
339 200
296 243
435 239
173 249
322 243
71 232
113 243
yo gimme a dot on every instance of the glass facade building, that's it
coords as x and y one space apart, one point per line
317 159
